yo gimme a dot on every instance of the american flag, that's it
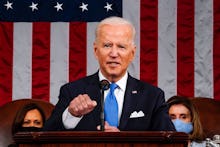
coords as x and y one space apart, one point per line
44 44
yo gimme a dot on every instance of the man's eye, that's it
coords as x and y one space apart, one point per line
107 45
121 46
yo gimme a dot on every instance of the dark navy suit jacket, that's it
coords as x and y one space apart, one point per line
139 96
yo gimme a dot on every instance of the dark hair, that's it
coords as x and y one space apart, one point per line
19 118
197 133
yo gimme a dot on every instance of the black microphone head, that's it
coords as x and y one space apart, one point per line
104 85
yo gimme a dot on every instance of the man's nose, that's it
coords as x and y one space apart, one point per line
114 51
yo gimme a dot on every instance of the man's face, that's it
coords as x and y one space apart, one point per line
114 50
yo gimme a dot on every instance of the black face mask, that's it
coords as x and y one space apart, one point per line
30 129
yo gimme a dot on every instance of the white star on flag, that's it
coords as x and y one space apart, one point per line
108 6
33 6
8 5
84 7
58 6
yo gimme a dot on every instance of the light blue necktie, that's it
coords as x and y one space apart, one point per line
111 107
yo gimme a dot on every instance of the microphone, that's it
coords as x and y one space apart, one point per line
104 85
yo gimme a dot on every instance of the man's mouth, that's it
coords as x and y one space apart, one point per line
113 63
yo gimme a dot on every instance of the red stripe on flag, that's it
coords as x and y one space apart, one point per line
216 50
185 48
41 61
77 54
149 41
6 56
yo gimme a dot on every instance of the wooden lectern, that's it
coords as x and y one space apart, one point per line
101 139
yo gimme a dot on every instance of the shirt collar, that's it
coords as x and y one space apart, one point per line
121 83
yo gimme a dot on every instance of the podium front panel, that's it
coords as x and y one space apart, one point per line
101 139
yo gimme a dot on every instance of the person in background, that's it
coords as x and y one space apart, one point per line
29 118
185 118
130 104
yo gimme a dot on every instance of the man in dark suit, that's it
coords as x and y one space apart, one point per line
140 106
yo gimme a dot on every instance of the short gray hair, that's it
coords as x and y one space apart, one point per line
114 20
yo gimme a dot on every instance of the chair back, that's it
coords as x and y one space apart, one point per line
209 112
7 115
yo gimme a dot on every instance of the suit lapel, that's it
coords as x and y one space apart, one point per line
130 102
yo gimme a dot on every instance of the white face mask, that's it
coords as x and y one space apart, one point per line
182 126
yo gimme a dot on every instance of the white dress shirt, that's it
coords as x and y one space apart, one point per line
70 121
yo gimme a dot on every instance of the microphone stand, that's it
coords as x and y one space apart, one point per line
104 85
102 128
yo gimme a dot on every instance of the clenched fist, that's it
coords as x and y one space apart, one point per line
81 105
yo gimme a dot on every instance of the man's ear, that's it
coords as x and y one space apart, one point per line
95 50
133 53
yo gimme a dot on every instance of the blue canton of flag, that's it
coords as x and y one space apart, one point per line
61 10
